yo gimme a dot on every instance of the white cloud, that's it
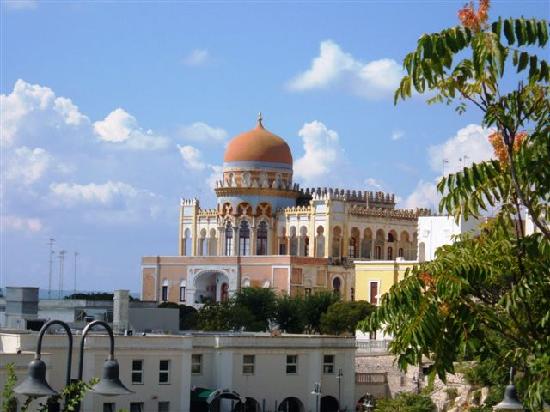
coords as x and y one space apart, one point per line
336 68
18 223
469 145
397 134
424 196
192 157
120 126
26 166
23 107
322 152
108 193
202 132
21 4
197 57
215 175
373 183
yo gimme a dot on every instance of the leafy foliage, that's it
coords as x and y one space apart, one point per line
406 402
288 314
313 308
343 317
486 298
9 401
72 395
260 302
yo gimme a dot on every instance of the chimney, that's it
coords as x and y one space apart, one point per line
121 303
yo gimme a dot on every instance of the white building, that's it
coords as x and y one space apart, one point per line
436 231
162 370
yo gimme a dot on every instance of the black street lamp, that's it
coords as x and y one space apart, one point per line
35 384
510 401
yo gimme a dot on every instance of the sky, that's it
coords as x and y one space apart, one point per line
113 111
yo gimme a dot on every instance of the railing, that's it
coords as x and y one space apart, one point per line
371 378
373 346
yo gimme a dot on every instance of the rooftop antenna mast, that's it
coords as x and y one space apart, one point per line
61 269
51 241
75 256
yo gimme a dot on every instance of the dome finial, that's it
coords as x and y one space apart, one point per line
260 118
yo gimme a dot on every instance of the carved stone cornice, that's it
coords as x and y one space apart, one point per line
256 191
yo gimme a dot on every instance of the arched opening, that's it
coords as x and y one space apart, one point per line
251 405
329 404
366 245
203 244
400 252
293 241
378 252
187 243
390 253
226 400
244 239
291 404
282 242
353 243
336 241
336 285
212 243
211 287
228 245
304 249
320 242
261 239
392 236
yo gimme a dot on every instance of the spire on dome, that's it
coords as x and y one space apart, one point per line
260 119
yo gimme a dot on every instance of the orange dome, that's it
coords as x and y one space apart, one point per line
258 145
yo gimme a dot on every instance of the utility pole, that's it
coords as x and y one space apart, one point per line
61 268
75 256
50 243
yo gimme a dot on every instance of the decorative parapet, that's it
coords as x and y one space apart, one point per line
371 199
295 210
207 213
406 214
259 191
189 202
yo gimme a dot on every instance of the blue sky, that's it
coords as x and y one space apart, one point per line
113 111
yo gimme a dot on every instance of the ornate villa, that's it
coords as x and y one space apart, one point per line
268 232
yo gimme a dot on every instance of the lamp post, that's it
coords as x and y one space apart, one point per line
510 401
339 377
35 383
317 393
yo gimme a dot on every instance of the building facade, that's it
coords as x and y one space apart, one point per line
274 373
266 231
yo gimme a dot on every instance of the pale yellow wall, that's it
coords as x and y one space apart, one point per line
386 273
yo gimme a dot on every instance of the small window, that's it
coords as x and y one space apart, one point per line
109 407
182 293
282 248
137 372
248 364
291 364
328 363
196 364
164 372
164 293
137 407
164 407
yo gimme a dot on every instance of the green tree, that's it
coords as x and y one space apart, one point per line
343 317
406 402
313 308
260 302
223 316
485 297
9 401
289 314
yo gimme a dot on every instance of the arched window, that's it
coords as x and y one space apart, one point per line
244 239
228 249
320 242
390 253
366 244
336 233
378 252
203 243
400 252
390 237
306 246
352 251
293 242
188 243
212 248
336 284
261 239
